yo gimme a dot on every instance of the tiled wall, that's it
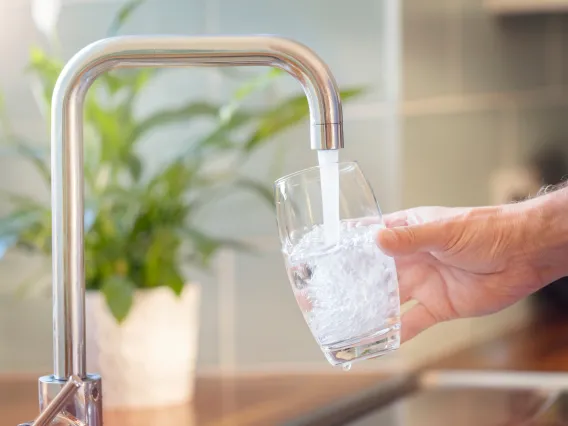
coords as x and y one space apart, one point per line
478 93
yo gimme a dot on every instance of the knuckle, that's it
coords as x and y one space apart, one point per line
459 232
409 235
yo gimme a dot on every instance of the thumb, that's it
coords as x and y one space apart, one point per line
405 240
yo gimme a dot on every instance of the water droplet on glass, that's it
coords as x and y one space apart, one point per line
347 367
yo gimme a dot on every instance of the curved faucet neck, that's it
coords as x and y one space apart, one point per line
67 144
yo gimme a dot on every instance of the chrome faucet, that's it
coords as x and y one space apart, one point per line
70 393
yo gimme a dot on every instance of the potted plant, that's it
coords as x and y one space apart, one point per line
140 227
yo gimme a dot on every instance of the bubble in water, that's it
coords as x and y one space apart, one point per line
347 366
344 291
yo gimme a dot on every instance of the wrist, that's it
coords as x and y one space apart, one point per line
548 216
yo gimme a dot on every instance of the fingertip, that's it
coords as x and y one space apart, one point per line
387 240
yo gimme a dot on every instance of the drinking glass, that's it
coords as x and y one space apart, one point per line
345 286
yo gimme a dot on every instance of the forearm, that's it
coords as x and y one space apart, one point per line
548 215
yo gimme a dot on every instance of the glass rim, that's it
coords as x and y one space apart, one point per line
312 169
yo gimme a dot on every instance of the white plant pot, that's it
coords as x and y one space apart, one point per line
148 360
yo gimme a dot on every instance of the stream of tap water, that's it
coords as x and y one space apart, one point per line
329 175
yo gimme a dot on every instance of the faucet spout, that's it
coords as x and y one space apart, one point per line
67 148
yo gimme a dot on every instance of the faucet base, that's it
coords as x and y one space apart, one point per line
84 409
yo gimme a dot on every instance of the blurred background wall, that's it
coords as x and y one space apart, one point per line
481 94
456 94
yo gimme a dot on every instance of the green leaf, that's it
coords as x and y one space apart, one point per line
39 157
205 246
221 137
20 200
33 229
134 166
114 82
173 115
250 87
141 78
277 119
108 125
17 221
285 115
174 180
118 292
122 16
46 68
155 266
132 79
257 83
260 189
38 161
173 279
27 228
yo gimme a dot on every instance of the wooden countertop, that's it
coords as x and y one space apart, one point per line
220 401
541 346
266 400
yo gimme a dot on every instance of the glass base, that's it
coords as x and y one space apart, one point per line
372 345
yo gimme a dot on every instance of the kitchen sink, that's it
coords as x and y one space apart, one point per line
452 398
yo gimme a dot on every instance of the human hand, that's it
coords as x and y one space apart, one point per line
467 262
